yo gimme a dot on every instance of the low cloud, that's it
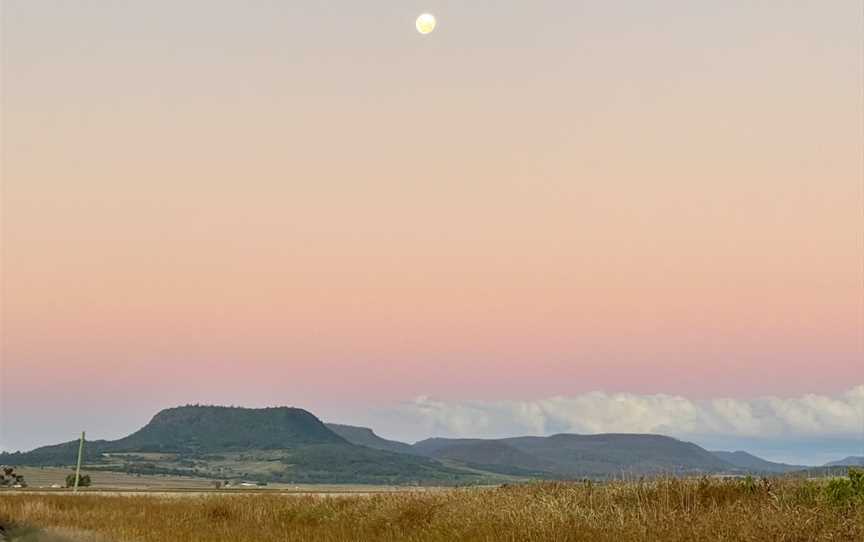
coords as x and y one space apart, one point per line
599 412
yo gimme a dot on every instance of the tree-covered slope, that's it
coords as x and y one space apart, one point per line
271 444
568 455
212 428
750 463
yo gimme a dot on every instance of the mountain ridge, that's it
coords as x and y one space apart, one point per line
850 461
572 455
292 444
273 444
752 463
365 436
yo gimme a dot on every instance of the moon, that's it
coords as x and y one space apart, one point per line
426 23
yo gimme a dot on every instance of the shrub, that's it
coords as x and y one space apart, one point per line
8 477
856 477
83 481
839 491
844 491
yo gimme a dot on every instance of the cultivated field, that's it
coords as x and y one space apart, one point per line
45 477
670 509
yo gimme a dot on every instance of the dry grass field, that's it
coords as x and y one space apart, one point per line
41 479
668 509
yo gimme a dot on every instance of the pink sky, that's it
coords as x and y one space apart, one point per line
338 215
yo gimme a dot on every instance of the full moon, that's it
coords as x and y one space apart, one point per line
426 23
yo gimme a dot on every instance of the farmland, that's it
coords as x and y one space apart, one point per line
660 509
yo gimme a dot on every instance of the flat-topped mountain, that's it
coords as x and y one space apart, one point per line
219 429
202 429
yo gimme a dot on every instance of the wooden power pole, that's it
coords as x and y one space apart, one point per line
80 456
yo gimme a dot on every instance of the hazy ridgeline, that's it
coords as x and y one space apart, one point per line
665 509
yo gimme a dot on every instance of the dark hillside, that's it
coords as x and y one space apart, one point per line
217 429
274 444
431 446
619 454
568 455
751 463
363 436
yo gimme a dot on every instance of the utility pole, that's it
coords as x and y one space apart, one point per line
80 456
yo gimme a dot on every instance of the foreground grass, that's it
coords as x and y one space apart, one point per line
669 509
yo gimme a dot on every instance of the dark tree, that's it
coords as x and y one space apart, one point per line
83 481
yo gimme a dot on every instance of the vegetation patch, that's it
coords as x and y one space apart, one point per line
667 509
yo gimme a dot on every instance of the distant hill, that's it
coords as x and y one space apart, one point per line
851 461
292 445
272 444
567 455
491 455
751 463
363 436
431 446
820 472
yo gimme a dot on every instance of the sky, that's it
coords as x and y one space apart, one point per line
554 206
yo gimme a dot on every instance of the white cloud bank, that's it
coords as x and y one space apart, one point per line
598 412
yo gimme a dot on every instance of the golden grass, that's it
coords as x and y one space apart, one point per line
669 509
